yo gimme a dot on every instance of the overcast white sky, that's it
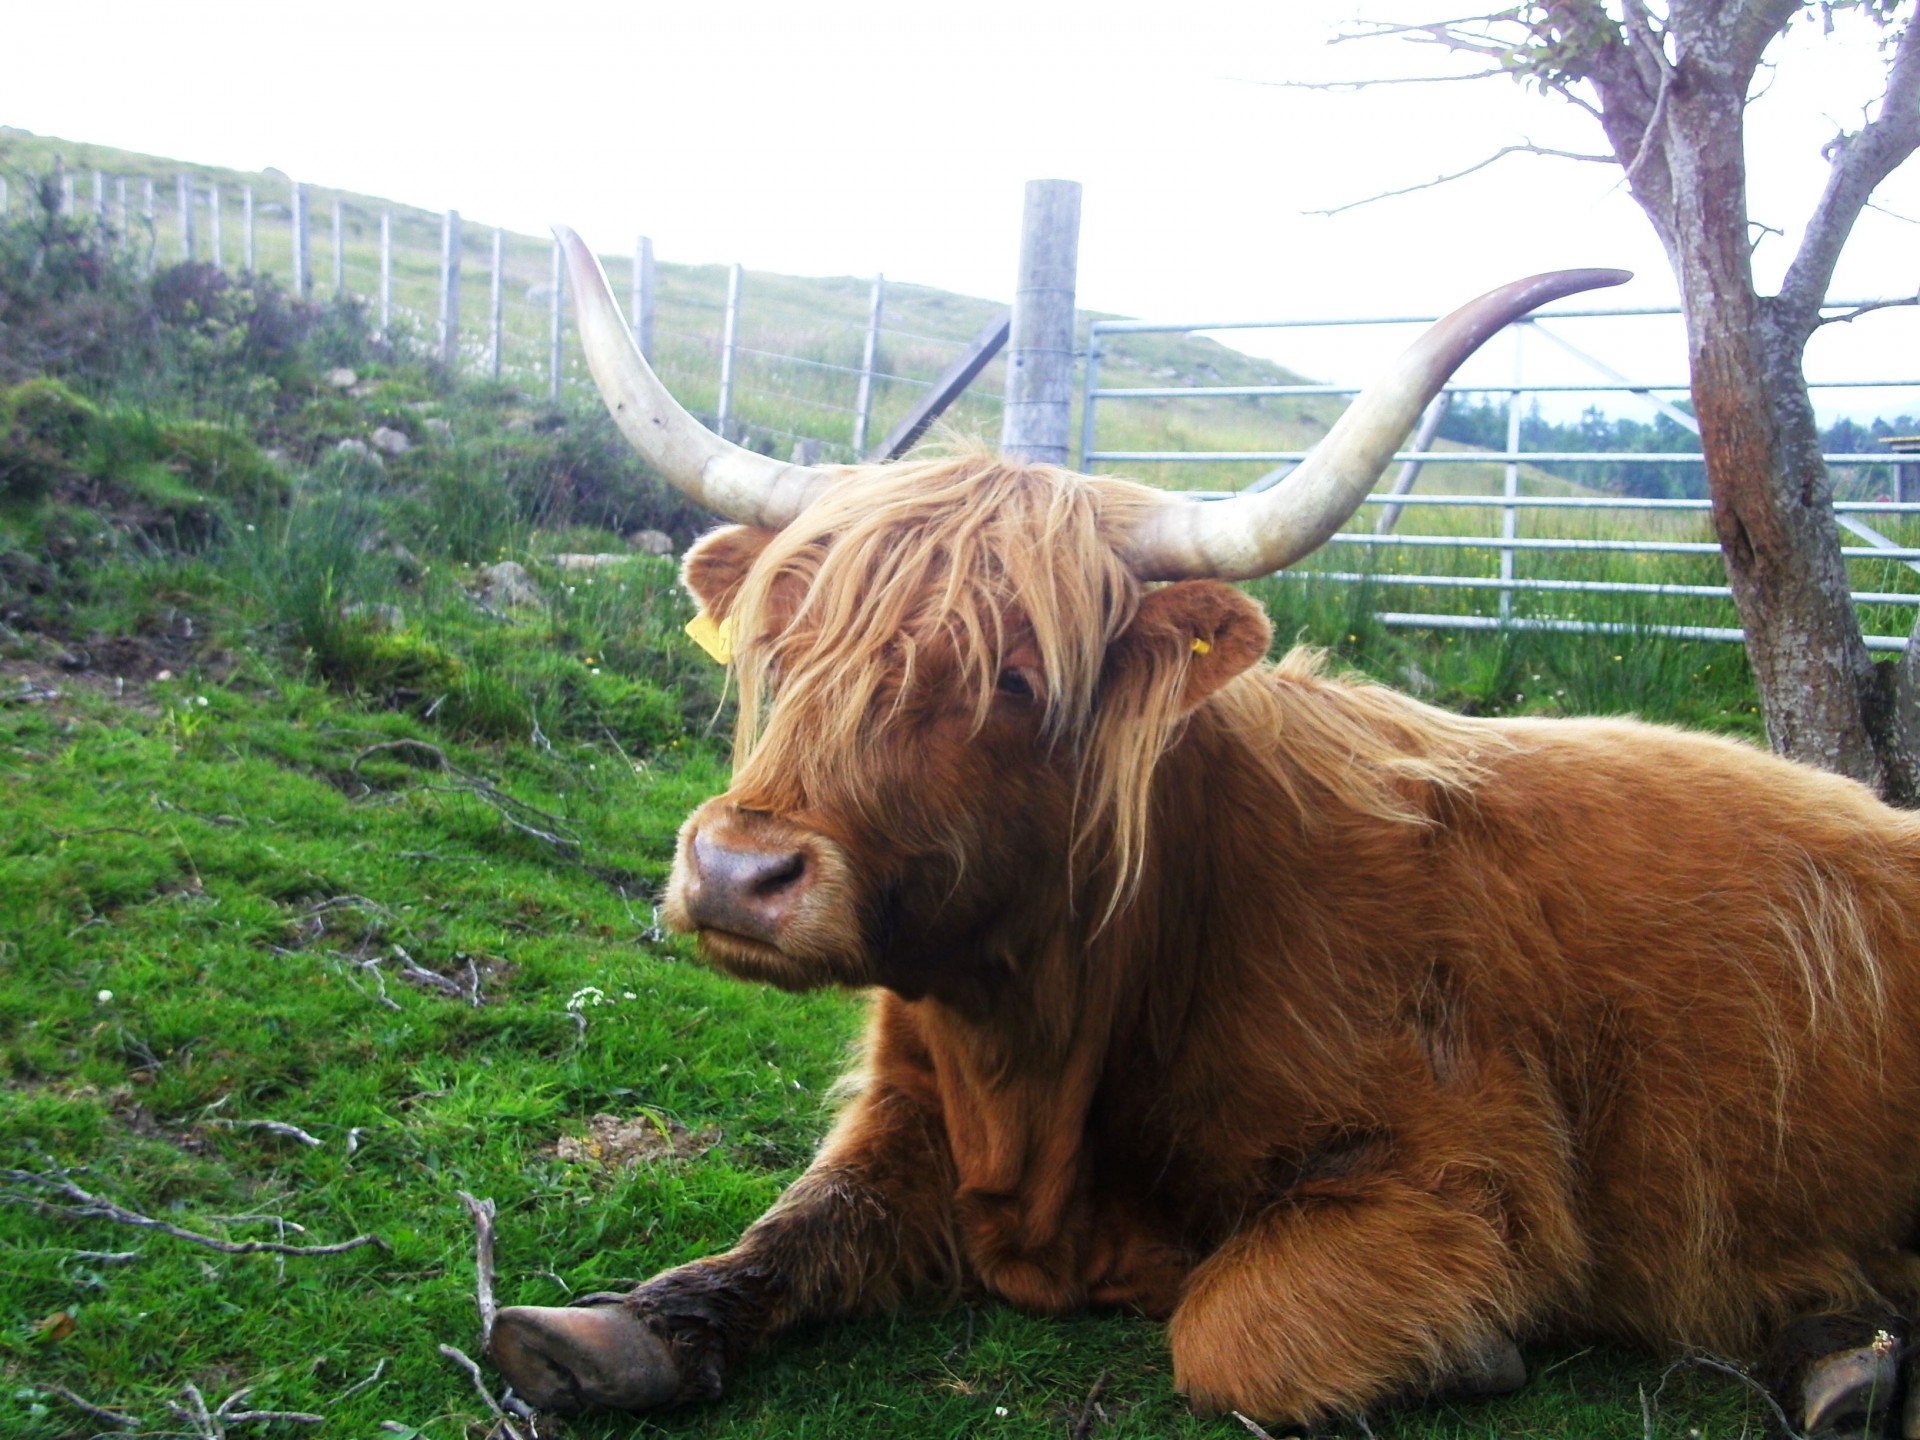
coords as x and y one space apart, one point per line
849 136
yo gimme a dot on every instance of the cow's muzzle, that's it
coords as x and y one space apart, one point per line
744 873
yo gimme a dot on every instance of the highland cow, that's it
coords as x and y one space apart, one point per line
1359 1041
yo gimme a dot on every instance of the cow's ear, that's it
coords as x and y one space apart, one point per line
717 564
1204 632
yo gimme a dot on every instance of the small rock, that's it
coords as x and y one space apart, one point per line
588 562
436 426
507 584
387 617
341 378
406 562
519 425
273 454
359 449
364 389
651 542
389 441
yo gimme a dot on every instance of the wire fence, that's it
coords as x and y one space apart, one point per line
825 367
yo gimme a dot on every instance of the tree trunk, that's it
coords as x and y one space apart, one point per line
1771 494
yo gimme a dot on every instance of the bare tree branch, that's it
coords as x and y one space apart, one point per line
1860 162
1344 86
1847 317
1500 154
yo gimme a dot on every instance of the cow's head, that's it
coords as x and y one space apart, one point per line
957 676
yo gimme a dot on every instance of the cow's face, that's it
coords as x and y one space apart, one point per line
953 696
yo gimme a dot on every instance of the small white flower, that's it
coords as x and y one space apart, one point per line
104 997
628 995
201 701
586 995
1001 1411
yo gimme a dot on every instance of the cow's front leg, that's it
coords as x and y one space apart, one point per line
870 1222
1331 1303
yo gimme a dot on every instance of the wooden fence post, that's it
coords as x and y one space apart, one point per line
339 249
183 192
119 206
213 226
386 270
1035 424
6 200
66 187
450 289
100 198
729 333
246 228
863 402
555 313
496 309
643 296
302 272
146 219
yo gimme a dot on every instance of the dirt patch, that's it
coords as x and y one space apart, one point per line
621 1144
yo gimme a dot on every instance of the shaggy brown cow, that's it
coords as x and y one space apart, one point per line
1355 1039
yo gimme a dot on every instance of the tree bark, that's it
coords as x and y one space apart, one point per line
1672 103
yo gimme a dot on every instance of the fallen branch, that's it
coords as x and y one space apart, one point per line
506 1424
87 1206
1253 1427
352 1390
1090 1411
1734 1372
276 1127
527 819
483 1212
87 1407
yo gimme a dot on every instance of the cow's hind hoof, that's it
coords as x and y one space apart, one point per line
1852 1394
582 1357
1496 1368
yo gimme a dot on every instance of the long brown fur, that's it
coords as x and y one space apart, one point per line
1347 1034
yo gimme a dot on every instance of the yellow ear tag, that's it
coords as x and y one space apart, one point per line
715 639
1202 647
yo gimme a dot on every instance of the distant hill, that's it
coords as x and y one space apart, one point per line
799 341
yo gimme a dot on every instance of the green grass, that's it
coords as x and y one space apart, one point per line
204 904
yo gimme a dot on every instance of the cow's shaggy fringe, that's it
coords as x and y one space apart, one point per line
1002 556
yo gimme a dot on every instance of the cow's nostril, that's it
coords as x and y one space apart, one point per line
781 872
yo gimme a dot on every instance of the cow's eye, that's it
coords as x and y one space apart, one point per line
1014 683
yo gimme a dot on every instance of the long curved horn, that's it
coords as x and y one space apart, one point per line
1253 535
724 477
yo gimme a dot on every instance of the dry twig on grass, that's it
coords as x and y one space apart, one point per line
87 1407
1734 1372
212 1424
88 1206
504 1425
273 1127
1090 1412
482 1212
527 819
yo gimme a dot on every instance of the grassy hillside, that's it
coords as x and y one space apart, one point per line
791 326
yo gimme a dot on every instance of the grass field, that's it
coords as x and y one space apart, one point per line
280 866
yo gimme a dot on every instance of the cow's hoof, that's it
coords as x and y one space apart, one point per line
572 1358
1494 1369
1851 1393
